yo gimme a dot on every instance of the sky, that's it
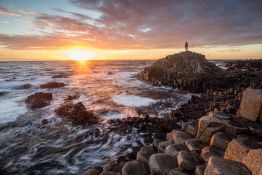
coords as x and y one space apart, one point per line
129 29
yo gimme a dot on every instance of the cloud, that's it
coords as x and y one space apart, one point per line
9 12
147 24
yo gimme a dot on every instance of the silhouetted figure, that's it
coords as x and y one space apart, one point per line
186 46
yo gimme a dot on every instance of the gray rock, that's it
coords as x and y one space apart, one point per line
162 163
194 144
145 153
113 166
93 171
179 137
200 169
176 172
211 151
173 149
220 166
109 173
220 140
188 161
190 128
162 145
135 167
207 126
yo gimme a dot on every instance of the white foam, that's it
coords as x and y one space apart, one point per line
133 101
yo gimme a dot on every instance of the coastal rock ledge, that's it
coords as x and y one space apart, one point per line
188 71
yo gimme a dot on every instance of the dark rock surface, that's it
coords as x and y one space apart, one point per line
24 86
39 100
77 113
52 85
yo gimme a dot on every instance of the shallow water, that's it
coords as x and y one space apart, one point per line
109 88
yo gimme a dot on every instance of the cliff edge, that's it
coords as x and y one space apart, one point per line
186 70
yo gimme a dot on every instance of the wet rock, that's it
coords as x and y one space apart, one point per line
162 163
93 171
190 128
44 122
52 85
72 97
211 151
235 127
188 161
135 167
207 126
114 167
24 86
253 161
109 173
220 140
200 169
238 148
39 100
77 113
219 166
176 172
179 137
173 149
2 93
144 153
162 145
251 105
194 144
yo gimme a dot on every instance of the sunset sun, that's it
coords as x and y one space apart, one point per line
79 54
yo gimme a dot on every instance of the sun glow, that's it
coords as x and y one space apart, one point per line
79 54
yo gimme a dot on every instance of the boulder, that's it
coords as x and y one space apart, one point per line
194 144
109 173
162 163
238 148
210 151
93 171
24 86
179 136
144 153
173 149
207 126
77 113
220 140
190 128
2 93
114 167
253 161
162 145
251 104
188 161
39 100
135 167
200 169
176 172
220 166
52 85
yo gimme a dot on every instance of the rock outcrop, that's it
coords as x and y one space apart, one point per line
77 113
39 100
50 85
187 71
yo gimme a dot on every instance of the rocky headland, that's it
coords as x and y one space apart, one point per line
218 132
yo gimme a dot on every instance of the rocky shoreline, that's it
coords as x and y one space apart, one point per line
211 134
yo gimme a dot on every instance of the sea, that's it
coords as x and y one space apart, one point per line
108 88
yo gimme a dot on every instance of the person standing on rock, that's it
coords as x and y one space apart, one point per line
186 46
